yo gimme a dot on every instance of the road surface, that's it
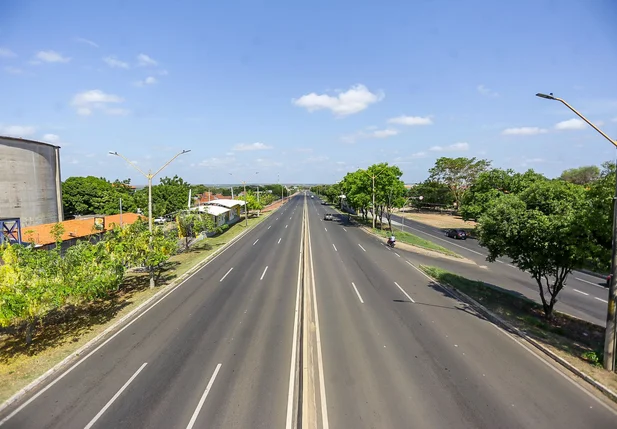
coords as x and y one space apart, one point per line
584 295
219 350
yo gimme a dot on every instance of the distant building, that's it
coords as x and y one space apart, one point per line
74 230
30 182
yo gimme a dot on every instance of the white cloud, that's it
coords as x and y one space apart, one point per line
13 70
456 147
304 149
51 138
17 130
411 120
117 111
86 41
7 53
51 57
410 158
163 72
150 80
217 162
571 124
523 131
375 134
113 62
382 134
267 163
145 60
486 91
614 119
315 159
242 147
88 101
354 100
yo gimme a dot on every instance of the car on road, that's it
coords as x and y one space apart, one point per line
323 203
459 234
327 216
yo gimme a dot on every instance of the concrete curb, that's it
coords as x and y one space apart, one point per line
512 329
124 319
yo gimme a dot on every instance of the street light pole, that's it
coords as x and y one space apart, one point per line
246 213
149 176
611 322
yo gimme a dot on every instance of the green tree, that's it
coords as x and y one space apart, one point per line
542 231
432 193
599 216
581 175
458 174
190 225
170 196
94 195
491 185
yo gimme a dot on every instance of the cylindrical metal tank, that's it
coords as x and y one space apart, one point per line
30 182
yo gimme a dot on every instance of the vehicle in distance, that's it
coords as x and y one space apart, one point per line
323 203
327 216
459 234
160 220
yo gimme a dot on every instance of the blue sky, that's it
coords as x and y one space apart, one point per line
308 90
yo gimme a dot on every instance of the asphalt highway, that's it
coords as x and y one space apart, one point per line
395 351
399 352
216 352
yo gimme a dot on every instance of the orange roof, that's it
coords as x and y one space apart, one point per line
209 196
75 228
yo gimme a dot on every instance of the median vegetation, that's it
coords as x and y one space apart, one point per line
414 240
577 341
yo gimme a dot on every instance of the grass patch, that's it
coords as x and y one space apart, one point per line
62 332
577 341
407 238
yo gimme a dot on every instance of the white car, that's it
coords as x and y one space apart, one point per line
159 220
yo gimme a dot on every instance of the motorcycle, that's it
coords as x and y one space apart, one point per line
390 243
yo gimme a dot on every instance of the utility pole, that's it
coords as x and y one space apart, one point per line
374 209
190 198
149 176
611 322
120 212
246 213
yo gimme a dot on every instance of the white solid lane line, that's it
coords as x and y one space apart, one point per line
361 247
334 247
403 290
576 290
357 293
600 299
223 278
264 273
255 242
279 242
590 283
203 397
118 393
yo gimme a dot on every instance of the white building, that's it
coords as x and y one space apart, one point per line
223 211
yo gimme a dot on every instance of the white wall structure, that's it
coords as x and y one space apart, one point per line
30 182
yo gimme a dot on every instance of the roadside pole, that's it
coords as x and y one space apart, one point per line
611 322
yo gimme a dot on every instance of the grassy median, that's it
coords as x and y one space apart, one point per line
575 340
63 332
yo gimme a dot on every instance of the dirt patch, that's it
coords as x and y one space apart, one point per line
438 220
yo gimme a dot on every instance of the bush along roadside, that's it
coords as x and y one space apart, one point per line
576 341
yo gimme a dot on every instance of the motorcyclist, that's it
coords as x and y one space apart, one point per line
392 239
